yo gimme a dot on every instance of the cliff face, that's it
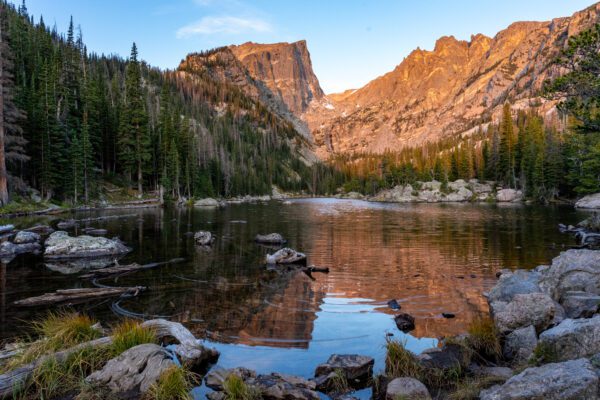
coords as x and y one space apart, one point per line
430 95
449 90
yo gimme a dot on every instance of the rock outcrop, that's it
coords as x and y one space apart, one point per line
60 245
591 201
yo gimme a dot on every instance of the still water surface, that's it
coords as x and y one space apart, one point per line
433 258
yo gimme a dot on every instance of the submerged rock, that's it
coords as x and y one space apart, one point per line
204 238
394 305
570 380
134 371
406 388
60 245
286 256
405 322
591 201
270 238
573 338
67 224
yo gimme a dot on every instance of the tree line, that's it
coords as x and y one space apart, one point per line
73 119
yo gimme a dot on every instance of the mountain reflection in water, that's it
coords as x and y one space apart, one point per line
432 258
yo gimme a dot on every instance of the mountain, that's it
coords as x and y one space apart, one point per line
449 90
280 75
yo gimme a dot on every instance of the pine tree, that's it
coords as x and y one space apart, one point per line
506 166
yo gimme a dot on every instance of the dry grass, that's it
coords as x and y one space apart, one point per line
400 362
130 333
174 384
484 338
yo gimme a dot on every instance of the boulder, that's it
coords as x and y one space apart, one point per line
270 238
570 380
405 322
573 338
432 185
508 195
520 343
203 238
430 196
481 188
60 245
406 388
512 283
591 201
208 202
536 309
445 358
457 185
572 270
398 194
9 250
286 256
462 194
580 304
134 370
24 237
352 366
216 376
6 228
284 387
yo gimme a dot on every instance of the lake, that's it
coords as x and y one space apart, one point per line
432 258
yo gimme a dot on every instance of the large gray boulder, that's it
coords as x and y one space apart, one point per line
399 194
284 387
462 194
406 389
580 304
520 344
573 338
134 371
60 245
536 309
591 201
572 270
512 283
208 202
508 195
570 380
353 366
24 237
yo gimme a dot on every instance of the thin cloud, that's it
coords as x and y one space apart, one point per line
225 24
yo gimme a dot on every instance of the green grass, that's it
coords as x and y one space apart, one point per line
400 362
19 205
174 384
339 383
236 389
130 333
543 354
470 388
56 331
484 338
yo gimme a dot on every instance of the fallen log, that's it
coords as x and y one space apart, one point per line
314 268
125 269
77 295
188 346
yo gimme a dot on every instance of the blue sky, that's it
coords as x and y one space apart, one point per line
350 41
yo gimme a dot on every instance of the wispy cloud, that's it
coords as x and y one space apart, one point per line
223 24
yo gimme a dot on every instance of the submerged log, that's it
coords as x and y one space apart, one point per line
77 295
188 349
125 269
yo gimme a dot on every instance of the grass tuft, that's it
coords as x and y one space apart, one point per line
130 333
339 383
236 389
400 362
470 388
174 384
484 338
543 354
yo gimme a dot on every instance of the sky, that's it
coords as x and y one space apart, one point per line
351 42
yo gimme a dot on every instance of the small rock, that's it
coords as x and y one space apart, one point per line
405 322
6 228
448 315
406 388
286 256
270 238
204 238
68 224
394 305
26 237
570 380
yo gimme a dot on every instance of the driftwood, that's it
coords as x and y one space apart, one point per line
187 347
314 268
125 269
78 295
